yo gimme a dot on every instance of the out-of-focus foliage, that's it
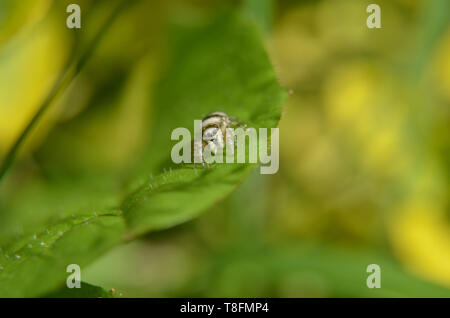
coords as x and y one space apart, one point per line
85 291
364 149
371 162
34 264
33 51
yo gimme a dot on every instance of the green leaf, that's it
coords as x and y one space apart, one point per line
180 195
217 66
37 263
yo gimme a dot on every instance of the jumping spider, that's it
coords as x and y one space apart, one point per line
214 132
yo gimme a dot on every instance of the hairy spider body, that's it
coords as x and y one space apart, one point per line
214 131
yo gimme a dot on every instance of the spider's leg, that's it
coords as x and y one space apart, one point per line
236 122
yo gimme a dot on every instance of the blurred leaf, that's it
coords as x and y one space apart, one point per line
261 11
86 291
15 16
436 20
74 65
305 270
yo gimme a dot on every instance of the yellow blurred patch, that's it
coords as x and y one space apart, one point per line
28 69
365 106
421 238
349 92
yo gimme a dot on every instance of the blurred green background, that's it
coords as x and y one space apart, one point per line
364 147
